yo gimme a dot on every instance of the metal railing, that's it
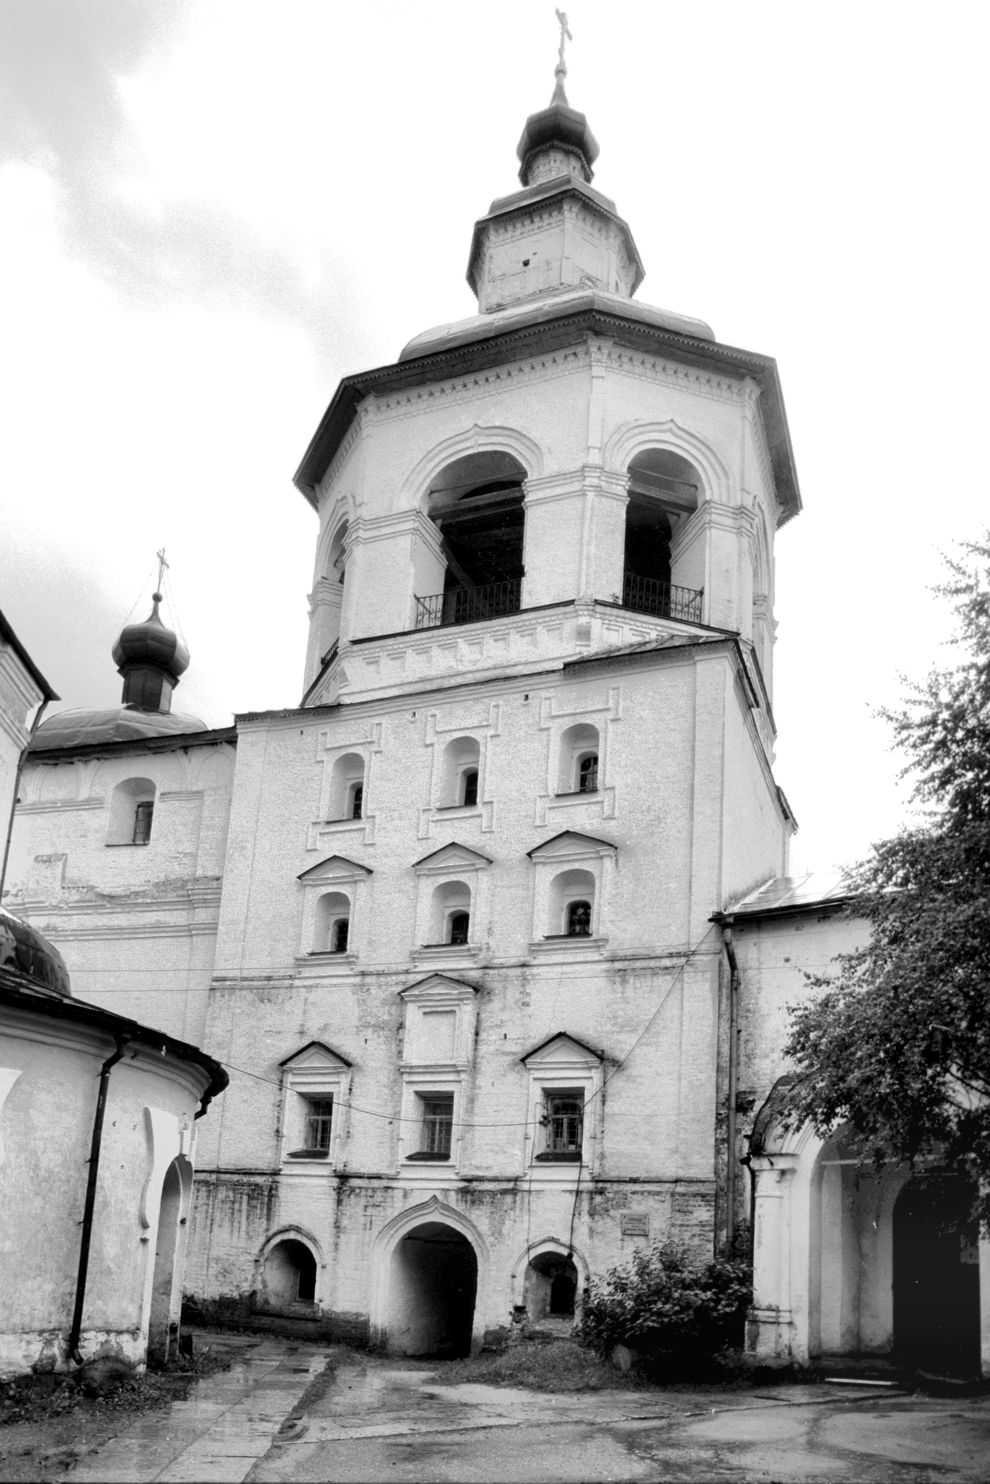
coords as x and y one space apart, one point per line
647 595
469 604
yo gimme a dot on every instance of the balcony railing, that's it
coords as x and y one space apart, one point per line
469 604
647 595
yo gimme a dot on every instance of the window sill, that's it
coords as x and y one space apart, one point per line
423 1156
308 1154
345 819
557 1159
458 808
579 793
456 952
127 844
563 943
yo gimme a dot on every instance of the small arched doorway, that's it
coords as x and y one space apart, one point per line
433 1284
550 1287
936 1276
165 1297
288 1277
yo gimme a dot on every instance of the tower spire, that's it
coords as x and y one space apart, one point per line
560 71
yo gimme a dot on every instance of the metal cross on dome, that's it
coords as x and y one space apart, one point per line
162 566
565 36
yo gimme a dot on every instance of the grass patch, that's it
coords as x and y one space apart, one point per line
558 1365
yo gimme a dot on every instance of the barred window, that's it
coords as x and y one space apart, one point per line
563 1120
143 815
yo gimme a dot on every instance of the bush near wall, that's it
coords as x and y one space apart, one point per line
675 1316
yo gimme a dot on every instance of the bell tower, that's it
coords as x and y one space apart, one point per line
566 472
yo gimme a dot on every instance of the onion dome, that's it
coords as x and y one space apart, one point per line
151 658
28 961
556 141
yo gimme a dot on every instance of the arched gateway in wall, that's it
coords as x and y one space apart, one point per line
849 1260
429 1269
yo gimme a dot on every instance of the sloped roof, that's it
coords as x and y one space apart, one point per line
801 893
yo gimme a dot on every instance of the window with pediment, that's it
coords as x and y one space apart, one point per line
332 902
565 1083
316 1093
452 900
572 875
437 1050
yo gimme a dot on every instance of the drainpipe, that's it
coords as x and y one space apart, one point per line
730 1173
87 1221
17 785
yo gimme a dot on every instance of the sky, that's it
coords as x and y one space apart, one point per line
214 209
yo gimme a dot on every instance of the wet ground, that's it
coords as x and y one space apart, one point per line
295 1412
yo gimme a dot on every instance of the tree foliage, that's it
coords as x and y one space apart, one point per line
896 1042
677 1315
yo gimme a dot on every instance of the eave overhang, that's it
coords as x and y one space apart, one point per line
553 330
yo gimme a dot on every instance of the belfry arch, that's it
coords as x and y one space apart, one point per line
664 491
476 504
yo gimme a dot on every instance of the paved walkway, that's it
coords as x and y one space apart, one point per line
270 1420
223 1427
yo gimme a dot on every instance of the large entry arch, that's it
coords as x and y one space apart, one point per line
430 1272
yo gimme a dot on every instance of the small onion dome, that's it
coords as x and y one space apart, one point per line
84 728
151 643
28 960
559 130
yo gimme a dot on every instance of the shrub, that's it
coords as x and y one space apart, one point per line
677 1316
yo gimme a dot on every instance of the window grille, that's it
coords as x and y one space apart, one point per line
338 935
460 923
588 774
143 814
438 1120
564 1117
470 787
319 1120
579 919
357 800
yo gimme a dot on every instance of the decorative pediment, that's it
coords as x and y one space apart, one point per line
438 989
335 869
316 1057
451 858
572 845
563 1051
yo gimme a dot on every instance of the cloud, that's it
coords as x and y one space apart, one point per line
62 111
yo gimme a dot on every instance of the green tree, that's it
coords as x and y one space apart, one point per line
897 1040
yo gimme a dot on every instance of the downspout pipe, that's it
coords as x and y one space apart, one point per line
733 1080
87 1221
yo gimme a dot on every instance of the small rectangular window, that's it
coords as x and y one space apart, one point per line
563 1119
143 814
319 1121
438 1122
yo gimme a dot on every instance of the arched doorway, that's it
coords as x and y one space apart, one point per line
477 505
663 493
550 1287
165 1299
433 1284
936 1276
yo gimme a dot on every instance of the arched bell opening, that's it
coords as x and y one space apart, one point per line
476 503
937 1276
433 1285
664 491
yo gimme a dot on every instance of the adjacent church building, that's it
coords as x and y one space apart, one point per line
494 933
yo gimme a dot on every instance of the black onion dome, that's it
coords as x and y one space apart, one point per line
28 960
559 125
151 643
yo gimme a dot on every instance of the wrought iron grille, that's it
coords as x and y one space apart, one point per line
647 595
469 604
